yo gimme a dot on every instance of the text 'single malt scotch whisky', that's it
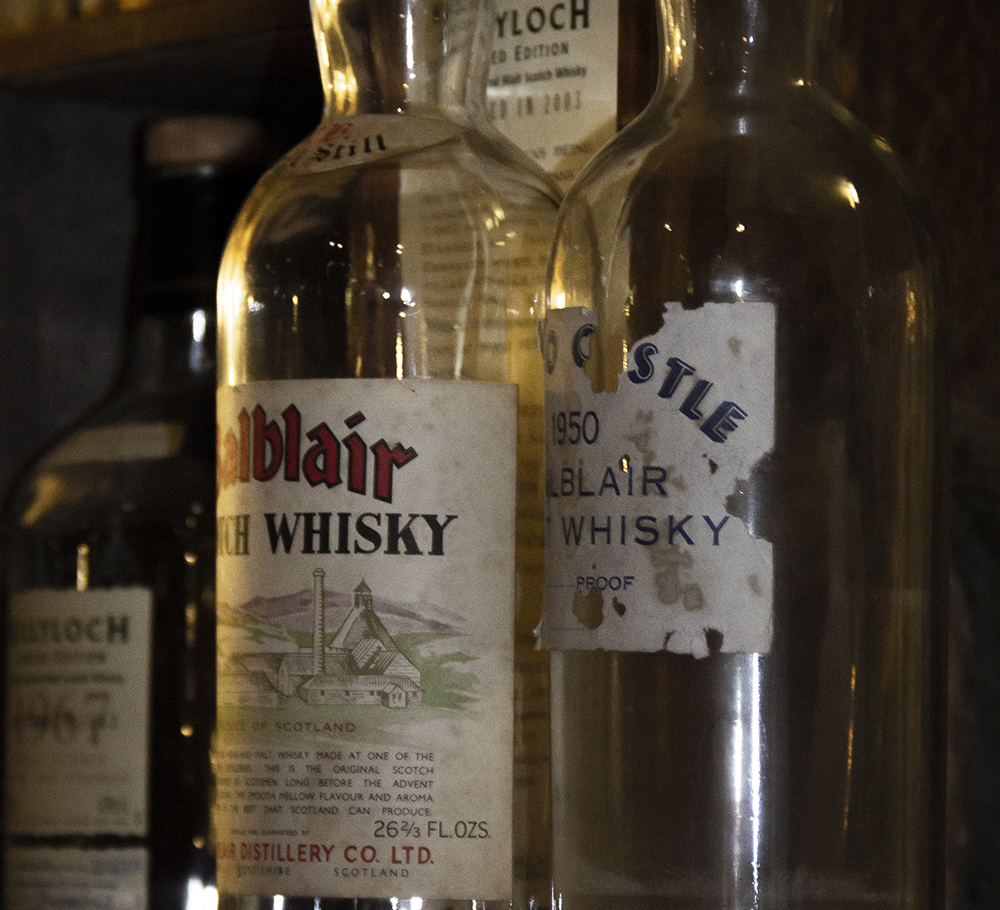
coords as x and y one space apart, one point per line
565 75
382 730
745 523
108 549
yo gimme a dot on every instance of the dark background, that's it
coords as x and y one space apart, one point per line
926 76
922 73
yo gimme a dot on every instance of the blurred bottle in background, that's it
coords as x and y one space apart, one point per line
108 559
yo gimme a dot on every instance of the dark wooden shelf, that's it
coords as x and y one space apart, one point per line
255 57
49 52
73 98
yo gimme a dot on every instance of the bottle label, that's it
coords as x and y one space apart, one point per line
553 85
650 544
78 712
53 878
118 444
365 617
367 138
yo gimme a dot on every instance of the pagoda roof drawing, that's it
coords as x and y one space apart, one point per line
361 625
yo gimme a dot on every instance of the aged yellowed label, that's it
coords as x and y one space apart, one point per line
650 544
365 603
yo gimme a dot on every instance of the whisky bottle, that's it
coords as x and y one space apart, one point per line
565 76
108 550
382 714
744 417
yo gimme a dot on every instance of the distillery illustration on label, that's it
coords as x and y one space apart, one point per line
352 659
649 542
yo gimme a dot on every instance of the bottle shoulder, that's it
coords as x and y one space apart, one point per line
424 259
804 154
138 460
763 198
421 161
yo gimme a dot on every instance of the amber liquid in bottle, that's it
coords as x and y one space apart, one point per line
398 243
804 772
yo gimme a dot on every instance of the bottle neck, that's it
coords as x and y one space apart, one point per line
184 215
170 351
395 56
746 48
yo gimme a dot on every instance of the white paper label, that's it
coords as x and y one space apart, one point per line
365 603
54 878
78 711
648 545
118 444
553 87
363 139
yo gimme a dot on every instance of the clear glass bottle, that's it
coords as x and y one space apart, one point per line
565 76
744 575
378 305
108 552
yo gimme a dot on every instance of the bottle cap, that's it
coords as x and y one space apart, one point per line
203 139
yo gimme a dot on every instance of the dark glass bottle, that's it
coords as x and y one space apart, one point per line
109 546
745 539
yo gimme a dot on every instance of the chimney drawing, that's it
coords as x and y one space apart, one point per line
319 623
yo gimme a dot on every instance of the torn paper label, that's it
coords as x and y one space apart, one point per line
649 538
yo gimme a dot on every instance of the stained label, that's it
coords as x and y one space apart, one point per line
650 540
365 604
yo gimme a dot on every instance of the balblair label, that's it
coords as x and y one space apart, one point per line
263 450
260 448
365 617
649 543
